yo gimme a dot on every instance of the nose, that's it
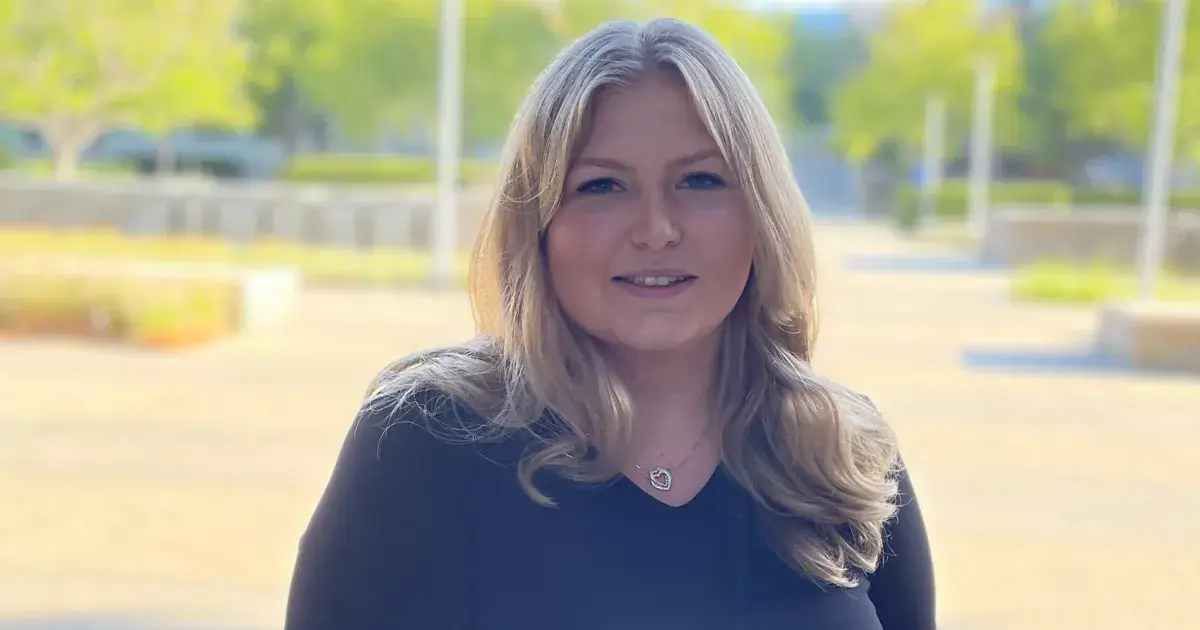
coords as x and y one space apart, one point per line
657 226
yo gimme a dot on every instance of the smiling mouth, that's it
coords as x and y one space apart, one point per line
654 281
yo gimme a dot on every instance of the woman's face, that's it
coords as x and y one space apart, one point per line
653 244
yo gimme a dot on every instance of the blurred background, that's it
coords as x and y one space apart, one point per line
219 219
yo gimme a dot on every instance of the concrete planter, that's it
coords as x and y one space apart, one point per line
1152 335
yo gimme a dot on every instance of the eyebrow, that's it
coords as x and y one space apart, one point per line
618 165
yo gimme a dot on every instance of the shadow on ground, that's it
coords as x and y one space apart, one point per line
922 263
1068 360
103 622
1055 360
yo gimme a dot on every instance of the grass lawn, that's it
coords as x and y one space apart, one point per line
1066 282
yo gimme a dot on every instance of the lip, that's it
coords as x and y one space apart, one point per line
655 272
656 292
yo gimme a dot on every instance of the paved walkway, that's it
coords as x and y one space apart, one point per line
139 486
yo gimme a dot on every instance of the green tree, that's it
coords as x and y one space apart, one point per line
821 60
1107 56
371 63
925 48
364 62
1044 121
72 68
507 44
281 32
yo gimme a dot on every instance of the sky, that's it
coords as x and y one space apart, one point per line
819 3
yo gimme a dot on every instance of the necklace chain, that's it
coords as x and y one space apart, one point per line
660 476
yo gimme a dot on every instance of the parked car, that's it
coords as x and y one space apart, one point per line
214 152
19 141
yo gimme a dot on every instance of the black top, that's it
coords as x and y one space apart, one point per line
417 532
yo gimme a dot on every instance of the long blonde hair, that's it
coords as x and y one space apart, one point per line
816 458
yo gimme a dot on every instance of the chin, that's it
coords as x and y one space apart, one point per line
659 338
639 344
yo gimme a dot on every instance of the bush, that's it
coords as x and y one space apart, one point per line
951 201
1180 200
1068 282
183 314
372 169
87 170
129 308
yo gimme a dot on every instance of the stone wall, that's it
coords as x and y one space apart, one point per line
1018 235
328 215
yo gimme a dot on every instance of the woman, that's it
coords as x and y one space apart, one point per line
636 439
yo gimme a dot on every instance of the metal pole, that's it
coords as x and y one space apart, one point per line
445 220
981 146
931 167
1162 147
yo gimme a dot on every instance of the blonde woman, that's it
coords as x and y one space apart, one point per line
636 439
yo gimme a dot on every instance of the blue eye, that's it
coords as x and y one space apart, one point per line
600 186
701 181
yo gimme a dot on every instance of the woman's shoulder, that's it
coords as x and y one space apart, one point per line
428 410
431 407
439 370
426 416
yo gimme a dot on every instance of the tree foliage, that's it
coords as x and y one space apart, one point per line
507 45
370 63
926 48
72 68
1107 52
75 67
820 61
365 62
373 63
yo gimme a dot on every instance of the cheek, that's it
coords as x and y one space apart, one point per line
576 259
566 249
729 256
727 242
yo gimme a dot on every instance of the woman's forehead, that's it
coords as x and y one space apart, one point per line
648 118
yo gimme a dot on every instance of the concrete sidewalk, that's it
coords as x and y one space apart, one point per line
174 487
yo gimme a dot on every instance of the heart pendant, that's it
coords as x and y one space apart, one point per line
660 479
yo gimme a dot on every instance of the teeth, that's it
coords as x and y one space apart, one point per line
655 281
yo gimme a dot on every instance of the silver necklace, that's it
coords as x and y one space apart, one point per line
660 476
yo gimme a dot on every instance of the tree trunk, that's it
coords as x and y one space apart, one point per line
65 158
67 140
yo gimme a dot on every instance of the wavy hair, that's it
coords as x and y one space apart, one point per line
817 458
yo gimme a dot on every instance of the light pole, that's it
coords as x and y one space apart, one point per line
982 116
445 220
981 146
931 166
1156 194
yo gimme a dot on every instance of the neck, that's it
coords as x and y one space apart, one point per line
670 389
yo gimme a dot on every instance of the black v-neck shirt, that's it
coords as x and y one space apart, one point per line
418 532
